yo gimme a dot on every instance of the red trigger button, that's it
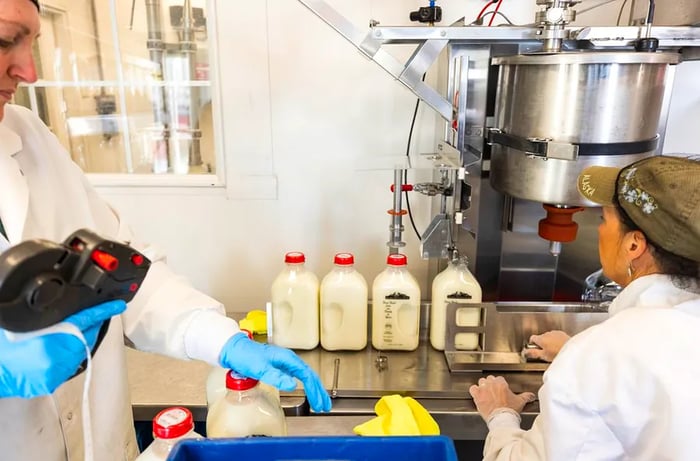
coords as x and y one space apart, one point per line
105 260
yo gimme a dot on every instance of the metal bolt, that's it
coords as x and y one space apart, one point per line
381 362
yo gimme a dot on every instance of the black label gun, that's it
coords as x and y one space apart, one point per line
42 282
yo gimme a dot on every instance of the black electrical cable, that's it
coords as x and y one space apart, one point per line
619 15
490 13
405 173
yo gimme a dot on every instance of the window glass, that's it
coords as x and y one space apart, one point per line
125 85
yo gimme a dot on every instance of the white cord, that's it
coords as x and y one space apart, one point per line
70 329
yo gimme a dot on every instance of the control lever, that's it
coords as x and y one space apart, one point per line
42 282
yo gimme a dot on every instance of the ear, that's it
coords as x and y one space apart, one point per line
635 244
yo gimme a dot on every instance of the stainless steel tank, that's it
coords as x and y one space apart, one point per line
558 113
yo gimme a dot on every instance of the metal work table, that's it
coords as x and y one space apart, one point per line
157 382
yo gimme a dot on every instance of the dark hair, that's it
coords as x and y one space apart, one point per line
36 3
678 267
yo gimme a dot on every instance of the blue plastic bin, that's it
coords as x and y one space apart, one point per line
350 448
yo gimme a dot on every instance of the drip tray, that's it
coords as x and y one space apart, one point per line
490 361
496 342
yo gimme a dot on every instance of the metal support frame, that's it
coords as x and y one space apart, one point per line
432 40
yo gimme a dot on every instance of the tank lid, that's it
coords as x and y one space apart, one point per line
396 260
294 257
344 259
172 423
588 57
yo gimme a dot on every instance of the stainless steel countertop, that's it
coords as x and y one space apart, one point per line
158 382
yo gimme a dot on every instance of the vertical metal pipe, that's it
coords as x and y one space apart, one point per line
188 48
396 227
98 52
552 44
156 49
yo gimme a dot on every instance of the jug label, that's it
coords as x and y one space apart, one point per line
459 295
397 295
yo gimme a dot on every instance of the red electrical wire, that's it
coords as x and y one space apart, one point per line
483 10
495 11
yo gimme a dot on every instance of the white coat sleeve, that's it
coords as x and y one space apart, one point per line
507 441
559 432
167 315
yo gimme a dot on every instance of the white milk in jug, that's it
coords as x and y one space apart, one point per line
455 284
169 427
395 307
246 410
343 306
295 313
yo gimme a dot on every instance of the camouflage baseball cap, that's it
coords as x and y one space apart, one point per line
660 194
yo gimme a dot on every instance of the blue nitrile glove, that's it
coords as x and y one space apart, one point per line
36 366
275 366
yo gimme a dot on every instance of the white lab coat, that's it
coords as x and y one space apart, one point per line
626 389
45 195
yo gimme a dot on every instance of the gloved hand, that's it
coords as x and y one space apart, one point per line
36 366
493 394
275 366
550 343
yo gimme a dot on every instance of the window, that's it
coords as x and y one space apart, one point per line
125 85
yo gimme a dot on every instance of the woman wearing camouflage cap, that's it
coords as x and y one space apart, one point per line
626 388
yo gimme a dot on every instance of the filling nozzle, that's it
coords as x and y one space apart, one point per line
554 248
558 226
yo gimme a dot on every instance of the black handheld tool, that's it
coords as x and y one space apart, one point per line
42 282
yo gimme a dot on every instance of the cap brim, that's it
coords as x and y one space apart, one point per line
597 184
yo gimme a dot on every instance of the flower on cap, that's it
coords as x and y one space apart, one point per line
636 195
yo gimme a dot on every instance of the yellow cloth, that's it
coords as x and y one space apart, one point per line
397 415
255 322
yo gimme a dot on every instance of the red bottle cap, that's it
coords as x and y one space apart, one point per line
396 260
236 382
295 257
172 423
344 259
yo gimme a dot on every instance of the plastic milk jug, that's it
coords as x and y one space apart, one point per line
455 284
395 307
169 427
245 410
216 386
216 383
295 305
344 306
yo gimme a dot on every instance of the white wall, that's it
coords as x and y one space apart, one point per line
303 111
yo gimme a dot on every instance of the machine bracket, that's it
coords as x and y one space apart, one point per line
539 147
547 148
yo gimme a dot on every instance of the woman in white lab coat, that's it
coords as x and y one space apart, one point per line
625 389
45 195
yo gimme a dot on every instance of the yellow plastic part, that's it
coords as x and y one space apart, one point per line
255 321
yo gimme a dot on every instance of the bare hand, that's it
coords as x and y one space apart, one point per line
550 344
493 392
